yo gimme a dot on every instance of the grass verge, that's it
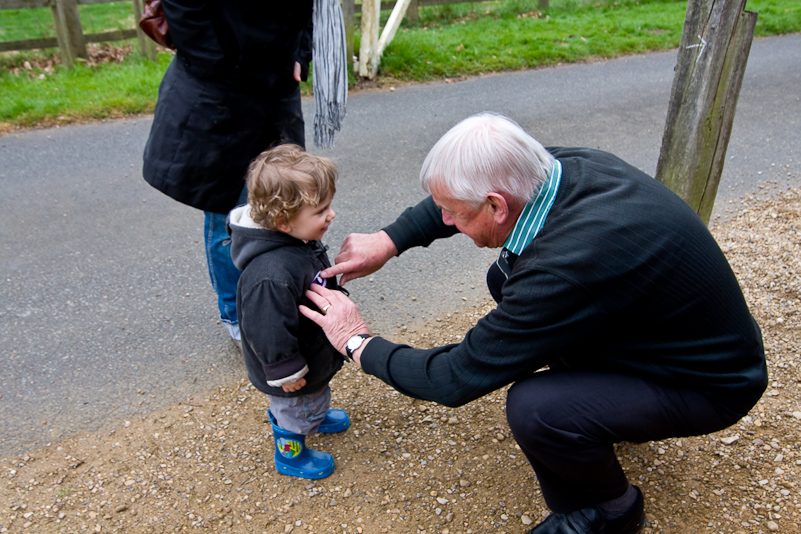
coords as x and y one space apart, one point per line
447 42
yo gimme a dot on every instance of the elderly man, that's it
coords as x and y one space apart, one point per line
605 277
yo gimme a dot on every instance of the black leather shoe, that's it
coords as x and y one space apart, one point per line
591 521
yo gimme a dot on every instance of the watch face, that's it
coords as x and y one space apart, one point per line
355 342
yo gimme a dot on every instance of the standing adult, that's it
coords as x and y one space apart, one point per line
605 277
230 93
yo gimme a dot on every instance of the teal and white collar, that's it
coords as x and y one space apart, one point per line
532 218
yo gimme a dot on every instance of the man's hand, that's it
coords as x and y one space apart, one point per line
296 72
361 255
294 386
340 319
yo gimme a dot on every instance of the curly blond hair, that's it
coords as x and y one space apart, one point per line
283 180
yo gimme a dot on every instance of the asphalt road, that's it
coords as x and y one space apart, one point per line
106 310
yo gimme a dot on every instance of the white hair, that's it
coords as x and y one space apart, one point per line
486 153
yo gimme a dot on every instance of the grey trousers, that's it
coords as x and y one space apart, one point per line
301 415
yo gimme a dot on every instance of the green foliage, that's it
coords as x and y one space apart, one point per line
503 39
446 41
19 24
36 23
97 18
776 17
28 97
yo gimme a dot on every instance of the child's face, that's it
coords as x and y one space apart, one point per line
311 222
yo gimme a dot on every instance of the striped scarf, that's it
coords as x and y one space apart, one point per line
330 71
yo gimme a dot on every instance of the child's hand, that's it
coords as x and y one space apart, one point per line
294 386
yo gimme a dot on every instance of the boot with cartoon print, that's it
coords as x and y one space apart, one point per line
293 458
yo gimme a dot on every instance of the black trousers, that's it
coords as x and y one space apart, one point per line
567 422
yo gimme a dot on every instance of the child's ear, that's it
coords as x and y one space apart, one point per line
282 225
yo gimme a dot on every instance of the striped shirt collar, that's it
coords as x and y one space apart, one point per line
532 218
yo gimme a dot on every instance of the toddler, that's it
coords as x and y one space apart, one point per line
275 242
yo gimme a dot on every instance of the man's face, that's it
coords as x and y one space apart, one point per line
476 223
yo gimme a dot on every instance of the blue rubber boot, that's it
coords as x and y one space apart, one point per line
335 421
293 458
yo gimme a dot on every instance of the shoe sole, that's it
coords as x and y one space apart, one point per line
334 428
301 473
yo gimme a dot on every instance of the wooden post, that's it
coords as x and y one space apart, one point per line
349 15
711 64
391 27
372 47
368 48
67 21
413 11
61 34
147 47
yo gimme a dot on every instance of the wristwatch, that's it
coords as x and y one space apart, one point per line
354 343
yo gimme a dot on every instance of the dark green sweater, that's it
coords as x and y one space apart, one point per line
623 277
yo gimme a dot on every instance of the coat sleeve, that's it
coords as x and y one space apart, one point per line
540 317
270 322
192 30
419 226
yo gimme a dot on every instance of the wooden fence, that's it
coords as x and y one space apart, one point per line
70 38
72 41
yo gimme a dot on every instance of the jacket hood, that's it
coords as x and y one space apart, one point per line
249 240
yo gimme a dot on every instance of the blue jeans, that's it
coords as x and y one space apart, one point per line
224 275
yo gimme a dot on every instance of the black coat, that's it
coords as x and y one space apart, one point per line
228 95
277 340
623 277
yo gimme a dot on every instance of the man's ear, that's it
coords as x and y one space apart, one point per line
498 206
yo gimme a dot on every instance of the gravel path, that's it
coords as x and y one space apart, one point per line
406 466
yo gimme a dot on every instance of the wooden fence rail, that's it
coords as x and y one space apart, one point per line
70 38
